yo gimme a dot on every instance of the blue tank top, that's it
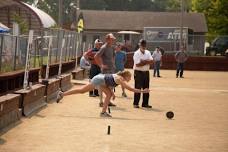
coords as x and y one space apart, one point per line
109 80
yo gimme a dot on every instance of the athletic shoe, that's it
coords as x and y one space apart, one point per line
111 104
105 114
147 106
136 106
92 95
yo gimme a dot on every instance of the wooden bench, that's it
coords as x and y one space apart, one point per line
32 99
65 82
52 87
11 81
78 74
9 109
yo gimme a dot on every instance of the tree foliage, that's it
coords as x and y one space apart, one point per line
23 24
51 6
216 13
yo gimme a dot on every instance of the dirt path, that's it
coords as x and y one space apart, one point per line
199 101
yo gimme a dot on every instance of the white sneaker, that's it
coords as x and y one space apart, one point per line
105 114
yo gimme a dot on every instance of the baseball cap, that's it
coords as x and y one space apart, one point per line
110 36
98 41
142 43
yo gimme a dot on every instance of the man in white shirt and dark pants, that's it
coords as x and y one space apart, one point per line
142 60
157 57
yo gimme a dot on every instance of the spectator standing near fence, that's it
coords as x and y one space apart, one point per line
181 57
84 63
120 60
142 60
105 58
157 57
95 69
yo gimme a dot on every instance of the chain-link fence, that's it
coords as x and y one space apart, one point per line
13 49
195 44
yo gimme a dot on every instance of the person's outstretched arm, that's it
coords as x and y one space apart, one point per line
128 87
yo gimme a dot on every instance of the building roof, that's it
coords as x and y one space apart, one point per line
3 28
16 6
136 21
46 19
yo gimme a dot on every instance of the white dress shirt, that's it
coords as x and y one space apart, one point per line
157 55
138 56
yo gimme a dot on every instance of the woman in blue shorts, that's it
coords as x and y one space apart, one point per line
106 82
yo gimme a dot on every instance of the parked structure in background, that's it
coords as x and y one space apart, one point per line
219 46
35 18
97 25
3 28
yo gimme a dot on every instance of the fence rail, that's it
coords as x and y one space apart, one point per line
13 49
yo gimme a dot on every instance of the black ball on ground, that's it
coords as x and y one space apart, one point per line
169 114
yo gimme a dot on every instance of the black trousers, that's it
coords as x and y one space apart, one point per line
94 70
180 69
142 81
157 68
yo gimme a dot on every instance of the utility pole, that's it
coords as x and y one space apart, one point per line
181 24
78 4
60 13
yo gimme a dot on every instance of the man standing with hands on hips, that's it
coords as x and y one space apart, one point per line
142 60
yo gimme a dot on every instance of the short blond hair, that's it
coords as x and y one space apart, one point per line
124 73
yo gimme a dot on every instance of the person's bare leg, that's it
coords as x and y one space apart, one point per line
100 97
85 88
108 95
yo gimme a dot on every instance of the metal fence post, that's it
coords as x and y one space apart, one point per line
15 53
2 38
56 57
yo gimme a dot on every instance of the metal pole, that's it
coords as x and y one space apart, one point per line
78 4
83 48
57 51
60 13
76 56
60 60
181 24
2 37
15 53
27 64
48 59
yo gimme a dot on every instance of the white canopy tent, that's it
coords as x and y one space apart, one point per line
128 32
3 28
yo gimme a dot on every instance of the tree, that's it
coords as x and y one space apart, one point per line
216 13
23 25
93 5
